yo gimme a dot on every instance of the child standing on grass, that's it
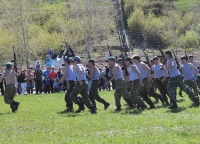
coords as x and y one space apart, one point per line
9 75
56 85
47 84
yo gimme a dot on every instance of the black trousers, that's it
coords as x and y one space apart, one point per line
51 86
38 86
30 90
47 89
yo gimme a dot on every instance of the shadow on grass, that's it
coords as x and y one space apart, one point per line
67 114
178 110
125 112
6 113
192 105
180 100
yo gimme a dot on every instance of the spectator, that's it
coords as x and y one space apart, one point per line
22 80
48 61
47 84
52 76
37 64
101 79
47 71
56 85
59 73
54 56
30 81
38 80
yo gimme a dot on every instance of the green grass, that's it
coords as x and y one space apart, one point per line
38 120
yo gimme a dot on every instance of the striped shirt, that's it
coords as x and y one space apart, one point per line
96 74
133 74
70 73
187 71
77 73
143 72
120 73
173 72
158 72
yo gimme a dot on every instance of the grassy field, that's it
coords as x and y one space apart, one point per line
39 119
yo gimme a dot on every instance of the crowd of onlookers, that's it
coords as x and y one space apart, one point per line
47 81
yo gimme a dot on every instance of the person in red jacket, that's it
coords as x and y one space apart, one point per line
52 76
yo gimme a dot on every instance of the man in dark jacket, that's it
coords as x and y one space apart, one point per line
38 80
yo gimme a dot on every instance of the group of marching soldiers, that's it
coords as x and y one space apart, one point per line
135 82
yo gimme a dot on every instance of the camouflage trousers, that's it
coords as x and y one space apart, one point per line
83 90
192 85
9 93
162 87
198 82
120 90
178 82
135 86
93 93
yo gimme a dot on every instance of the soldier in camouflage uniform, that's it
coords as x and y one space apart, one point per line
128 82
93 92
187 72
121 89
175 79
9 75
146 89
161 75
196 73
70 78
81 87
136 82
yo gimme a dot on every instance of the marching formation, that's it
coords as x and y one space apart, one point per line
136 82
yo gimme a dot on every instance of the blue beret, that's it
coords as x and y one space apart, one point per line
9 64
111 58
68 59
77 58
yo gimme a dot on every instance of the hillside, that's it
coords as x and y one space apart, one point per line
33 26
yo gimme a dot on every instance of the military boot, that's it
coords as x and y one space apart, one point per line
93 111
80 107
106 105
14 106
70 108
141 107
129 102
118 108
196 101
173 106
150 103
